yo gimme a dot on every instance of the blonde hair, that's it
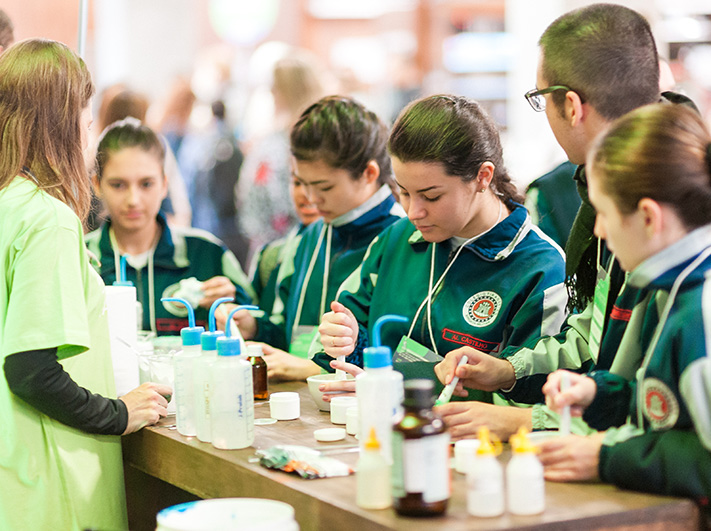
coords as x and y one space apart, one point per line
297 83
44 86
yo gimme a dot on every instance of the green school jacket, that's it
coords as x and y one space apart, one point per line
180 253
504 288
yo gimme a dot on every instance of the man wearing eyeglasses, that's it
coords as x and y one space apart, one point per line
596 64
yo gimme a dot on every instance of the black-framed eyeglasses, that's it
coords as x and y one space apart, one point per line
537 101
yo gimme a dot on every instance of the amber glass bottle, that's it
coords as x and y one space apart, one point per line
259 372
420 473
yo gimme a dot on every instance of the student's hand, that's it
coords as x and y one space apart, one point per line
244 320
284 366
216 288
146 404
463 419
571 458
578 396
340 387
482 371
339 331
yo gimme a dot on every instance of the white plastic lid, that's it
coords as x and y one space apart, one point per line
330 434
255 350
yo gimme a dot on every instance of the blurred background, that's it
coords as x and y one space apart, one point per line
185 55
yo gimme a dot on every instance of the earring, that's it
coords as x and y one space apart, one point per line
482 190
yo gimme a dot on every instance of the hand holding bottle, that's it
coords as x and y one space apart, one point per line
146 404
339 331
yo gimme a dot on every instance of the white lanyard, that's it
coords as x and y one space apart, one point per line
432 290
327 229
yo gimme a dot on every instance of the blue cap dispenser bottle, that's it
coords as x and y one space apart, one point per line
184 387
232 393
202 375
379 390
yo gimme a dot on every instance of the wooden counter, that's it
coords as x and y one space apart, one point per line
164 468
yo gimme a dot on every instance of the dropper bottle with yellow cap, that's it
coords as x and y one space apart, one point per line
373 476
525 487
485 479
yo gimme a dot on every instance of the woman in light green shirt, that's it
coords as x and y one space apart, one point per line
60 457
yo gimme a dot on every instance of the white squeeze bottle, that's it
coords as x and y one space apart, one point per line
373 477
202 373
184 388
232 395
525 487
485 480
379 391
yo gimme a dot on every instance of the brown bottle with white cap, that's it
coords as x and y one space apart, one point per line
420 473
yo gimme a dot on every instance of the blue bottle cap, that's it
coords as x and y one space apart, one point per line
228 345
377 356
190 335
208 340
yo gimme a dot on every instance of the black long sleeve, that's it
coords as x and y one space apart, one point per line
40 380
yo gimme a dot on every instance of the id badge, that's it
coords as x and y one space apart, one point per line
409 350
301 340
602 290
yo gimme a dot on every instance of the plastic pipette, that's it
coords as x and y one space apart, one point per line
564 428
446 394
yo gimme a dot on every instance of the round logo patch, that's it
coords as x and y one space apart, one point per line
660 405
481 309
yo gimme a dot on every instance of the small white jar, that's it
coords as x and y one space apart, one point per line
352 421
284 406
339 405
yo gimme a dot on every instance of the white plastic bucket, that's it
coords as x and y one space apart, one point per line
228 514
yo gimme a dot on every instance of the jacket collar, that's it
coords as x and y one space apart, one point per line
660 270
499 242
381 204
167 254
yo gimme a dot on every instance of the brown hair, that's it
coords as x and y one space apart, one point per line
659 151
606 54
344 134
455 132
127 133
119 103
44 86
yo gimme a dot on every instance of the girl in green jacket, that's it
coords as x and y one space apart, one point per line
650 181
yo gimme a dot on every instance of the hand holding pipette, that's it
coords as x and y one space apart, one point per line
446 394
576 394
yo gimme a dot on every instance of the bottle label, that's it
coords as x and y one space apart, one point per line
423 466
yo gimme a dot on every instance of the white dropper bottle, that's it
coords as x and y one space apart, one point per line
203 374
525 487
373 476
184 387
232 394
485 479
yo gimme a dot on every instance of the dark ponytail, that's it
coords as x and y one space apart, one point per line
455 132
344 134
